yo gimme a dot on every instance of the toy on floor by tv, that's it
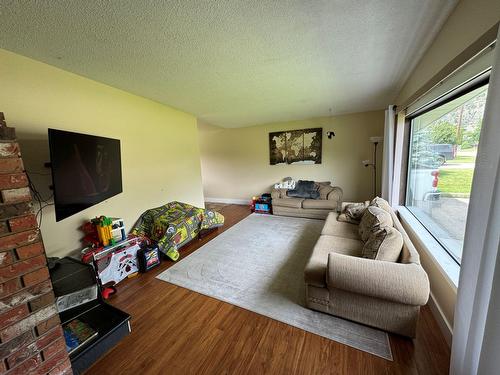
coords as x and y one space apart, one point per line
103 225
118 229
148 258
113 255
103 231
108 291
91 239
253 203
116 263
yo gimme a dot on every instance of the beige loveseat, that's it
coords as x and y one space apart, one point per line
330 199
382 294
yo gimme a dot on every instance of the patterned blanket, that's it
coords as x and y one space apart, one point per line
173 225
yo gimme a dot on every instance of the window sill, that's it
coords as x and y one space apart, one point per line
446 264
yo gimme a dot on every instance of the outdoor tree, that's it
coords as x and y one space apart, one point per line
471 137
444 133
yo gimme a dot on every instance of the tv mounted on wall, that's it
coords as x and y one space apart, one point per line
86 170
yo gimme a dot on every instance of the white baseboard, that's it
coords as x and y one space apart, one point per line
228 200
443 323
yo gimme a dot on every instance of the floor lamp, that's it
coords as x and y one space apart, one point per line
368 163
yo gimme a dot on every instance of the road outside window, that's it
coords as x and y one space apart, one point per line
442 157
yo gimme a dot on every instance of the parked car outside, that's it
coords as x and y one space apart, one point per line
444 150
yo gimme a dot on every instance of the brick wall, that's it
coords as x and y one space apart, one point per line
31 339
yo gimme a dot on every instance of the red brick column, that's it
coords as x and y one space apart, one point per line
31 338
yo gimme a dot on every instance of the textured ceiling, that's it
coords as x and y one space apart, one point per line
233 63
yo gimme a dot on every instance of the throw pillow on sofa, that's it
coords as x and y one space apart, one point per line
353 212
381 203
304 189
373 219
385 244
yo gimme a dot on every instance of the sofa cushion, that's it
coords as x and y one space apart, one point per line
288 202
384 244
381 203
333 227
346 219
324 204
373 220
310 213
315 271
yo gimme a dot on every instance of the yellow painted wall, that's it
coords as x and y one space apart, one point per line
235 162
159 145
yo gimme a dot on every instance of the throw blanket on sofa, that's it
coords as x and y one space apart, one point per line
304 189
175 224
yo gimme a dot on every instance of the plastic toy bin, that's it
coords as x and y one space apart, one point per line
111 324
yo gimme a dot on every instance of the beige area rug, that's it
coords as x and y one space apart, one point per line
258 265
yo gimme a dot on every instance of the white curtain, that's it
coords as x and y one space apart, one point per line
476 336
388 154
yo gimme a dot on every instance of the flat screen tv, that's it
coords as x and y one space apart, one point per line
86 169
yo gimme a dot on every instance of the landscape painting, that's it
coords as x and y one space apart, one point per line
295 146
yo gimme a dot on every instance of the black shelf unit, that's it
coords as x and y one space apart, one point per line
111 324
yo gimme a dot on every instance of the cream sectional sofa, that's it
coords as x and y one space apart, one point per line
330 200
382 294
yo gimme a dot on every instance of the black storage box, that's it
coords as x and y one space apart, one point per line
74 283
111 324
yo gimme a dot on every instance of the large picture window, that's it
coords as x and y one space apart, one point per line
441 161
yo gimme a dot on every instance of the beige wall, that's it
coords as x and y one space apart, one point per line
235 162
159 145
469 20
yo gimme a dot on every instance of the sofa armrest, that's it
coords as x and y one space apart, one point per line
396 282
279 193
335 194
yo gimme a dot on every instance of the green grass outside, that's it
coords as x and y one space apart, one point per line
462 159
455 180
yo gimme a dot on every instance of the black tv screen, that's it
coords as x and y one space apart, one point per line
86 170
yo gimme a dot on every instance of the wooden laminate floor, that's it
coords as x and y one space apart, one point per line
178 331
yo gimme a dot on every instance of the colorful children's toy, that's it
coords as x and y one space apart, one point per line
175 224
118 229
113 255
91 238
103 231
103 225
114 263
148 257
262 204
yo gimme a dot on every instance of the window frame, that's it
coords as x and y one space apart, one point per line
480 80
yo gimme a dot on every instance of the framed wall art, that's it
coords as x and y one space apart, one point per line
295 146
